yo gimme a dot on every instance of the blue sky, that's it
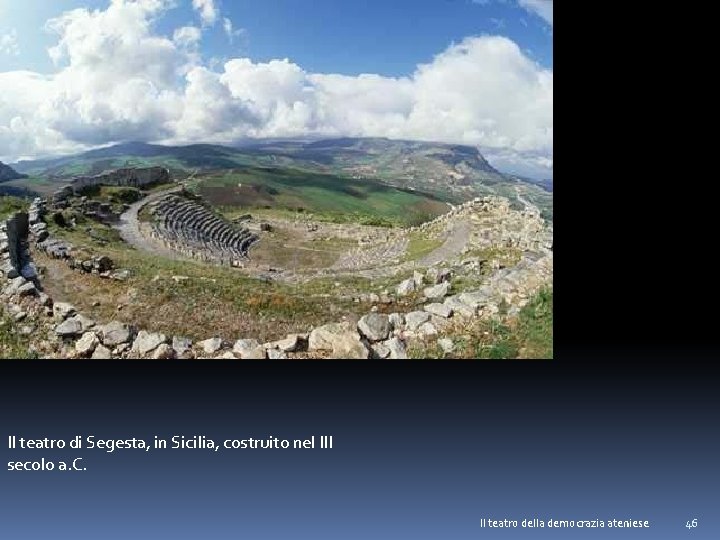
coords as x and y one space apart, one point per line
329 36
233 51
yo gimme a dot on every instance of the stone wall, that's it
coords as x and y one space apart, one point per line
16 231
63 332
128 177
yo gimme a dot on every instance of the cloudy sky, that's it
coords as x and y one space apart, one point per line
79 74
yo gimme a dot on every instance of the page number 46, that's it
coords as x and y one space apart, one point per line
692 524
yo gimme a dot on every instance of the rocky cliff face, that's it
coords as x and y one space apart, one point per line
8 173
129 177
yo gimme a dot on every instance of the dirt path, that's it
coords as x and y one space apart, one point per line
458 237
129 226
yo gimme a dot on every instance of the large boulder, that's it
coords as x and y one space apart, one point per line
397 320
380 350
441 310
340 338
114 333
68 328
87 343
415 318
437 291
147 341
374 326
323 337
101 353
397 348
292 343
431 274
406 287
474 299
460 308
249 348
85 322
211 345
350 346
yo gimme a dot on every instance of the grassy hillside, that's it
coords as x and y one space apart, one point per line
194 299
10 204
529 335
329 197
455 171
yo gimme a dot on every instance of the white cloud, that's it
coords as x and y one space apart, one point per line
9 44
543 8
230 32
187 36
208 11
118 80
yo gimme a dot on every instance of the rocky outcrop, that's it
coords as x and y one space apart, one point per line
129 177
100 265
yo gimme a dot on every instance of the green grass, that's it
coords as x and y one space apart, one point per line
535 326
529 335
10 204
32 186
213 300
327 197
419 245
12 343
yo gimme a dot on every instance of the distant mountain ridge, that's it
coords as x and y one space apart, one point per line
384 157
450 172
8 173
324 152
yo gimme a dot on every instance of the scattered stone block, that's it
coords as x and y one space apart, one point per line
415 318
212 345
114 333
374 326
406 287
87 343
437 291
441 310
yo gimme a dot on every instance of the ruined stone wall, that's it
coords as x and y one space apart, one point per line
63 332
16 231
128 177
525 230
